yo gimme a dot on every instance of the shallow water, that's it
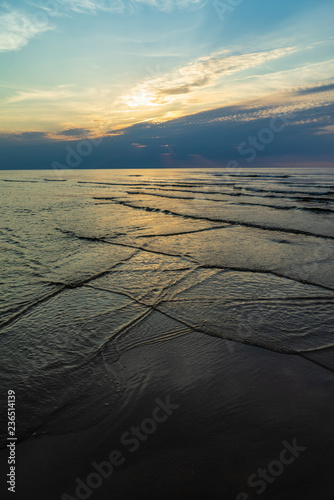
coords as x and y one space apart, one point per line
96 263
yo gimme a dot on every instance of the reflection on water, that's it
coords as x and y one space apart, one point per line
107 261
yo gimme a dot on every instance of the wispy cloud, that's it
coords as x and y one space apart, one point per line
17 29
204 72
59 92
122 6
313 111
168 5
94 6
75 132
302 110
20 138
318 89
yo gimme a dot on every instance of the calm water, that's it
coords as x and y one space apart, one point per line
96 263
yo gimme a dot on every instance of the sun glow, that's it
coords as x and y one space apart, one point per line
140 99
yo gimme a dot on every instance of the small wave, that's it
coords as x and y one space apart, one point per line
259 176
55 180
113 183
261 190
289 196
15 180
276 207
224 221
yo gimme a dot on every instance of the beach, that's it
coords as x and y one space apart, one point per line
169 333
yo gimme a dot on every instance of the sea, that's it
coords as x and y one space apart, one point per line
96 263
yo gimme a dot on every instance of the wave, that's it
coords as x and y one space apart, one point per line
222 220
276 207
128 184
259 176
260 195
16 180
261 190
55 180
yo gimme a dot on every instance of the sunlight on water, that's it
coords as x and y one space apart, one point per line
106 261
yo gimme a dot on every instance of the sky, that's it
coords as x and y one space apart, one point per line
153 83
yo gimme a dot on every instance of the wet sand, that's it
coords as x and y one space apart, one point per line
230 409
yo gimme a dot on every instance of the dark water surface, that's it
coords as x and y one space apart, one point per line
179 271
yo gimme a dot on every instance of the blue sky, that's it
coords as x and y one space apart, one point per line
108 68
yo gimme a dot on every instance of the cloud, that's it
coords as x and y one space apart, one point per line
39 137
203 72
18 28
94 6
317 89
302 110
209 138
33 137
122 6
168 5
75 132
329 129
59 92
